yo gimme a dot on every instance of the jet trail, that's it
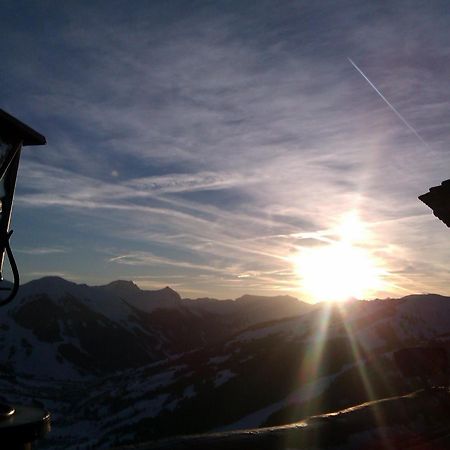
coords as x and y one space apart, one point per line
410 127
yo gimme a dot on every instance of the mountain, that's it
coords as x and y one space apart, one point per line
85 330
251 309
285 371
115 369
145 301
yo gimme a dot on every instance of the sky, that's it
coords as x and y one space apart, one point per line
208 145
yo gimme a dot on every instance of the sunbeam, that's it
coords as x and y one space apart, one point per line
361 364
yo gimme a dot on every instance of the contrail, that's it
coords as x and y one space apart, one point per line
410 127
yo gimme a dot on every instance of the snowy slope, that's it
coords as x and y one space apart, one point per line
145 374
81 330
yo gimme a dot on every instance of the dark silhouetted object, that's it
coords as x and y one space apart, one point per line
19 425
22 425
426 363
438 199
13 135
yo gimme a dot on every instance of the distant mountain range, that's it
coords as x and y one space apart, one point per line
92 330
118 365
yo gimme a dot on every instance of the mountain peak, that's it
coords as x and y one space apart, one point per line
52 279
49 283
167 294
122 286
168 289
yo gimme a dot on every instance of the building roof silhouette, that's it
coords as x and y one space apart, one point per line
438 199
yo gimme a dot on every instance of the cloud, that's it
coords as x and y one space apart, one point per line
148 259
39 251
231 136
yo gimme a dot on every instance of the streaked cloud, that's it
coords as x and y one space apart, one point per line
39 251
218 142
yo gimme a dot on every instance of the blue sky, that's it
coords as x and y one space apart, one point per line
202 144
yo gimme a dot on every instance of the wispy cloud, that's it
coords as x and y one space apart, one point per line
221 142
148 259
39 251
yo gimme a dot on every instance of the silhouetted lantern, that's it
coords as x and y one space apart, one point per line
13 136
19 425
438 199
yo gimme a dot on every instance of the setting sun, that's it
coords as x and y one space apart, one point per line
342 269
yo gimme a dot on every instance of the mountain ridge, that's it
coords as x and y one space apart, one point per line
123 285
134 374
129 286
73 321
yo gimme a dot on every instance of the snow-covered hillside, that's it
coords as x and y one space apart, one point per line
114 370
81 331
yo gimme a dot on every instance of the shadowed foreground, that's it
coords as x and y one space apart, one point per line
418 421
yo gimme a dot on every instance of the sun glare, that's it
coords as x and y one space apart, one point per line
343 269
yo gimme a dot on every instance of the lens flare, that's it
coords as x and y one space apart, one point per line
341 270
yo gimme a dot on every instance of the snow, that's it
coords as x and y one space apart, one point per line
223 376
160 386
306 392
218 359
32 363
292 327
188 392
147 384
260 333
368 337
137 411
61 291
432 312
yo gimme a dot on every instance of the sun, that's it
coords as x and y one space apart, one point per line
337 272
342 269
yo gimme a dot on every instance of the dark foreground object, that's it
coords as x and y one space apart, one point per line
438 199
21 426
418 421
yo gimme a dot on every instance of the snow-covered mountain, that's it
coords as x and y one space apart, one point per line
114 369
81 330
287 370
